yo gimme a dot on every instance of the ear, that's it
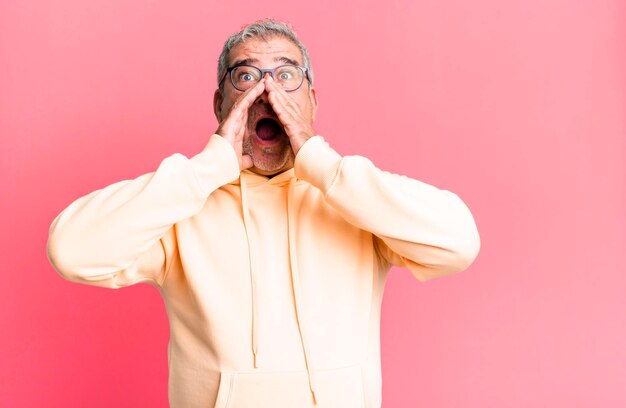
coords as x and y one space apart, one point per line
313 99
217 104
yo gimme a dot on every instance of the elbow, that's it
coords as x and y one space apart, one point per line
70 263
463 239
76 253
60 256
59 251
449 262
67 253
456 256
465 251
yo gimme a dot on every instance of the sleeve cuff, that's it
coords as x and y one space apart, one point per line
317 163
216 165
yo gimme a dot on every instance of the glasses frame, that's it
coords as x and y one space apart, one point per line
229 72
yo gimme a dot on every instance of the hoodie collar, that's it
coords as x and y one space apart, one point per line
252 178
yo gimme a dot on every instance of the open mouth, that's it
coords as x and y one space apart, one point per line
268 129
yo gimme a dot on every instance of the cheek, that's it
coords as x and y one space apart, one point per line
225 108
227 104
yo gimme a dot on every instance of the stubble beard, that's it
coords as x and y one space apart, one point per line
267 159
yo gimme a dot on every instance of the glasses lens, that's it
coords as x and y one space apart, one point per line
289 76
245 77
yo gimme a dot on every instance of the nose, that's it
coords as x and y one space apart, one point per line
263 98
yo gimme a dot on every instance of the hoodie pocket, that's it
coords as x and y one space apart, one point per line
224 390
336 388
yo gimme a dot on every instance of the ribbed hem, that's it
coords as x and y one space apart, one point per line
216 165
317 163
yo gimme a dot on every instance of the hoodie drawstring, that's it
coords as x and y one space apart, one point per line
295 277
245 209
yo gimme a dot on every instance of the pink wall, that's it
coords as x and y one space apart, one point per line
517 106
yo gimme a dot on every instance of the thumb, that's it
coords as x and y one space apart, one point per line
246 161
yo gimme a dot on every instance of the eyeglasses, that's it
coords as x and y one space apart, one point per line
244 77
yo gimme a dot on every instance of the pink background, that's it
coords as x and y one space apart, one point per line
517 106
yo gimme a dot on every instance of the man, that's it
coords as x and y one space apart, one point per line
269 248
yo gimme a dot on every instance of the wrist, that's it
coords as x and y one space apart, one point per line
317 163
297 143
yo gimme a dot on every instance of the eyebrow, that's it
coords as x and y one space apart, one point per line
251 61
286 60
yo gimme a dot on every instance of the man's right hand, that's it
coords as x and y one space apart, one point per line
233 127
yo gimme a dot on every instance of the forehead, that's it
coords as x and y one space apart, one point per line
265 51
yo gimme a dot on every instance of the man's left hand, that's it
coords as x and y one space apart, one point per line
296 125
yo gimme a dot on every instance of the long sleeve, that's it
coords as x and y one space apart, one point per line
427 230
115 236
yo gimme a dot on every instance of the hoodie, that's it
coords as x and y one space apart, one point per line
272 286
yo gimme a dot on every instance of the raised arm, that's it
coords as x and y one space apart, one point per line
120 235
427 230
112 237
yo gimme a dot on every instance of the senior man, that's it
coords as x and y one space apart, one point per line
269 248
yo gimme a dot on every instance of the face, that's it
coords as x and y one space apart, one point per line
272 156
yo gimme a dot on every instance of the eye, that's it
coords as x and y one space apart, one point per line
246 76
288 75
285 76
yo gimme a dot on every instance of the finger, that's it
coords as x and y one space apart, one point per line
234 121
272 87
276 87
283 105
241 129
248 97
296 124
246 161
276 94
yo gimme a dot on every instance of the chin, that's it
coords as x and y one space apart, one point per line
269 160
271 166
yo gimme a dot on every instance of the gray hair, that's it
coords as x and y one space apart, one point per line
263 29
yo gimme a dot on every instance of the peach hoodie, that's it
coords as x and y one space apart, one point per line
273 287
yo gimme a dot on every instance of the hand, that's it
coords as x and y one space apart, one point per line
297 126
233 127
